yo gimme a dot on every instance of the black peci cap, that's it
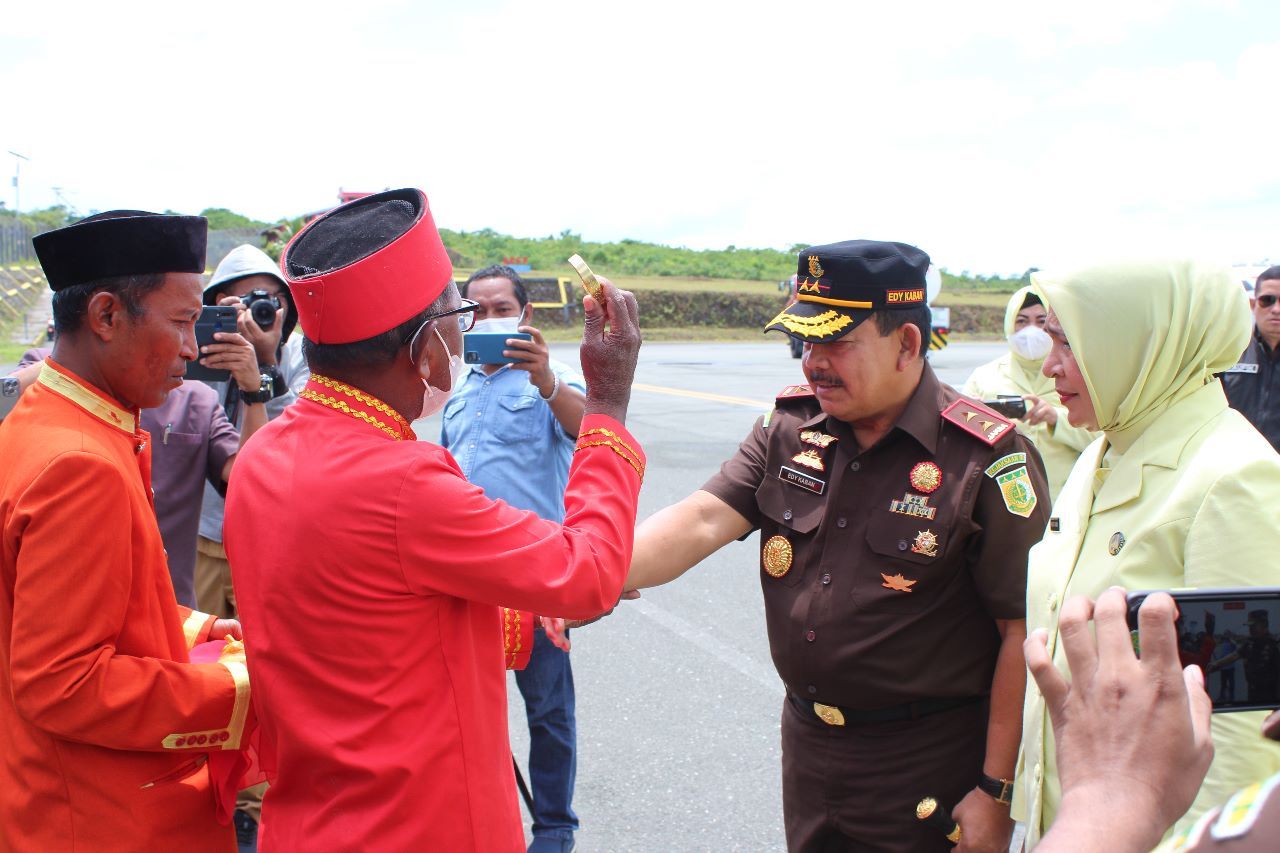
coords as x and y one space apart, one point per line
121 242
841 284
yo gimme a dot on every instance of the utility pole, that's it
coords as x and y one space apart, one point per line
17 181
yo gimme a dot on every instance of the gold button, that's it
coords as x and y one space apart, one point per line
1053 602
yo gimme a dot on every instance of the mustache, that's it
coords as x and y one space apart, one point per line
819 377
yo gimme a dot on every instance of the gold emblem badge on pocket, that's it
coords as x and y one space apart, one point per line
926 543
776 556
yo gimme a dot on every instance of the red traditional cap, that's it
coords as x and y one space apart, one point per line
366 267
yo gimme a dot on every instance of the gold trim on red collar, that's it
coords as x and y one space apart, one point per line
359 405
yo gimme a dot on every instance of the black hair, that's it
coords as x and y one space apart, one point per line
377 351
1269 274
500 271
921 317
70 304
1030 300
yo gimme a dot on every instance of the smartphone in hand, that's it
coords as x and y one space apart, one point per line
487 347
213 319
1231 634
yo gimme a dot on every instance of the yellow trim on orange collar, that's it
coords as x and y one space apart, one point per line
92 402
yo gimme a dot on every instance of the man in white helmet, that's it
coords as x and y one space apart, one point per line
249 280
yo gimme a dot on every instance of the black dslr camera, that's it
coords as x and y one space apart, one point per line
262 307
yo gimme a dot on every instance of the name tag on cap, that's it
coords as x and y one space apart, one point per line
801 479
1242 368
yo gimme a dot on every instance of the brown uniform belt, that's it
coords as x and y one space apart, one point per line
833 715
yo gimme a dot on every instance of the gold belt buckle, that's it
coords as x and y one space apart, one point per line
830 716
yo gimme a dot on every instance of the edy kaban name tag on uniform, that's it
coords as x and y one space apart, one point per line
801 479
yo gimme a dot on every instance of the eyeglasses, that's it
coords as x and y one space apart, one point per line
466 315
1267 300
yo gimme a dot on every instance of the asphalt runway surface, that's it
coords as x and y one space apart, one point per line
678 701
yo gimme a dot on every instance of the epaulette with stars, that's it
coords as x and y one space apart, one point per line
788 396
977 420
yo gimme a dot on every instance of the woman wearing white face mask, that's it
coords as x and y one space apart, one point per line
1017 372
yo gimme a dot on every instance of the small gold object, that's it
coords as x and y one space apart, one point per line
826 323
954 835
776 556
809 459
829 715
589 280
817 439
897 582
1116 543
926 543
815 267
926 807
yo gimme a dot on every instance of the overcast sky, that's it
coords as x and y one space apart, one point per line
995 135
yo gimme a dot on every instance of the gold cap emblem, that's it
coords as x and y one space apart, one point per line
776 556
815 268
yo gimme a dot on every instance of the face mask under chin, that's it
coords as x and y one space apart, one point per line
433 399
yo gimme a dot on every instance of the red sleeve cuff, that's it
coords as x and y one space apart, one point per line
517 637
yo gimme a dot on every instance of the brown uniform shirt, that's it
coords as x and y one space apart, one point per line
881 604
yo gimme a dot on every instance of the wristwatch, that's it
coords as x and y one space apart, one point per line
265 392
1000 789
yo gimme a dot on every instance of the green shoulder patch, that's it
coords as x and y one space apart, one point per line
1018 492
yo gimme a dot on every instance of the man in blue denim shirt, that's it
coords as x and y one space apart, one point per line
512 429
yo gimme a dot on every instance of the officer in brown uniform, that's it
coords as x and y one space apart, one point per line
895 518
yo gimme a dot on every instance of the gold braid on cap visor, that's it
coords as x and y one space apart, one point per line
826 323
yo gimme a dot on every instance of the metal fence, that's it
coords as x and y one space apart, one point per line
15 243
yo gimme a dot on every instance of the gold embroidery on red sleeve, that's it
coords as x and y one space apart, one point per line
614 442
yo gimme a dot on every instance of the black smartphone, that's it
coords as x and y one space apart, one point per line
1011 407
487 347
213 319
1231 635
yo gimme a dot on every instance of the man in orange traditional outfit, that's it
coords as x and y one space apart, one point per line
374 606
105 726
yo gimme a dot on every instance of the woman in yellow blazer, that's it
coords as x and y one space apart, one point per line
1180 490
1017 372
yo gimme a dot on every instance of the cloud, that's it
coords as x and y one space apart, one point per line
997 135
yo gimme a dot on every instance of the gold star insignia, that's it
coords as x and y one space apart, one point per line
968 416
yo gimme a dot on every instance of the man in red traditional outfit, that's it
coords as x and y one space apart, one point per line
106 728
375 607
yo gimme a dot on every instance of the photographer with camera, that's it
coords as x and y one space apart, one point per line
250 281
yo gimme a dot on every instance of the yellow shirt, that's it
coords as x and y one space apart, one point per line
1194 497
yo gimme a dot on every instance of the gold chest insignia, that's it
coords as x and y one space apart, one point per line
817 439
1116 543
916 506
815 267
897 583
776 556
926 477
809 459
926 544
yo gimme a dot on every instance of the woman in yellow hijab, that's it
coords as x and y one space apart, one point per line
1017 373
1180 490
